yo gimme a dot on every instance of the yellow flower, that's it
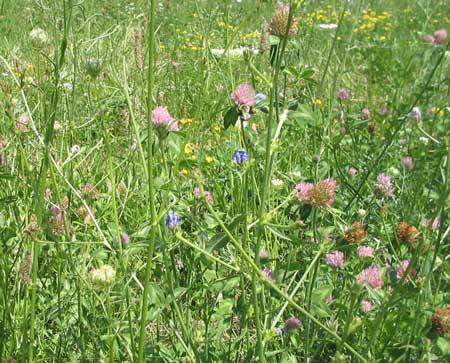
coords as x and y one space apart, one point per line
193 157
382 38
217 128
186 120
317 101
30 67
188 149
184 172
209 159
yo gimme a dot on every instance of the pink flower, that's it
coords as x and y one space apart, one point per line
366 306
440 36
383 186
371 276
351 171
428 38
161 118
401 269
335 259
436 224
244 95
365 114
268 274
343 94
263 254
292 323
364 251
329 299
124 238
407 162
303 190
208 196
22 123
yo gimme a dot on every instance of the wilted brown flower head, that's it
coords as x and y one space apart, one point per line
279 23
406 233
441 320
322 194
355 233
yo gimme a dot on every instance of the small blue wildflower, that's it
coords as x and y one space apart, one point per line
172 219
240 155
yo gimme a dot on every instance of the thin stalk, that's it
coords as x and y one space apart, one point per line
150 162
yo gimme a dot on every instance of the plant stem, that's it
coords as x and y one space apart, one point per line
151 195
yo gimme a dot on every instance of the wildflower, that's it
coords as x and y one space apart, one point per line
351 171
186 121
355 233
102 276
39 37
208 195
383 186
268 274
162 120
90 190
55 209
441 320
239 156
244 98
416 113
124 238
436 224
279 22
365 114
364 251
440 36
172 219
209 159
401 269
328 26
366 306
406 233
322 194
303 191
292 323
263 255
335 259
22 123
428 38
75 149
407 162
343 94
277 184
329 299
371 276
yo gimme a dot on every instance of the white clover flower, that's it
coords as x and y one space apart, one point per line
277 183
75 149
39 37
328 26
102 276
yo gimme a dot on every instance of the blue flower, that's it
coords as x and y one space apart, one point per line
172 219
240 155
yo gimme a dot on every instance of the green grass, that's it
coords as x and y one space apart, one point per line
197 292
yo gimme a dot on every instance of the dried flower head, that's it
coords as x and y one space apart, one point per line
407 234
355 233
441 320
322 194
25 269
279 23
102 276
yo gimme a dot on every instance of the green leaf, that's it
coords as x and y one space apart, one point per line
230 117
443 343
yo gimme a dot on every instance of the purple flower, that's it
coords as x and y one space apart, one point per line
55 209
172 219
343 94
208 196
365 114
303 191
407 162
351 171
161 119
292 323
335 259
416 113
263 255
268 274
364 251
383 186
240 155
440 36
371 276
124 238
244 95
